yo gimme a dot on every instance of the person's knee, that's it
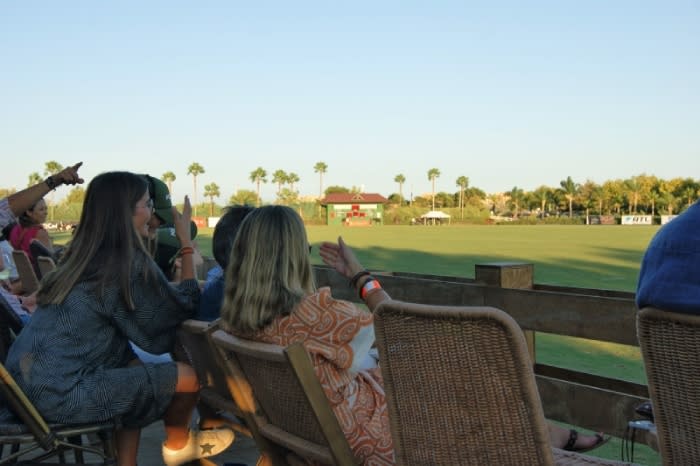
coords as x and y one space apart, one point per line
186 379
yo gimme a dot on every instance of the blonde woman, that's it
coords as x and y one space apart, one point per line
270 296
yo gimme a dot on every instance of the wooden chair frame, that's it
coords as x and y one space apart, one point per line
25 270
34 441
193 346
327 444
46 264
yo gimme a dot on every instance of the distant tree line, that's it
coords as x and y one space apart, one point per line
640 194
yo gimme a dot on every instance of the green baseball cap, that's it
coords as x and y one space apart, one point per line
162 206
167 237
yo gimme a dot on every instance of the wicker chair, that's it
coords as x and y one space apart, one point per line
37 251
33 441
215 402
670 344
283 401
461 390
25 269
46 265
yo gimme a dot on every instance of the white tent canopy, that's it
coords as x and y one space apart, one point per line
435 214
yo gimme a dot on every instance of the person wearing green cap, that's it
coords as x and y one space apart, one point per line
164 244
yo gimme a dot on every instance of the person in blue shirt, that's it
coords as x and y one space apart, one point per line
669 278
224 234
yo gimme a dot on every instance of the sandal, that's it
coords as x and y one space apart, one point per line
573 436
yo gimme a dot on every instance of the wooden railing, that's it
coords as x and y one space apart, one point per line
578 398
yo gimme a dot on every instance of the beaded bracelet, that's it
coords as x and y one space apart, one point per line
369 286
51 182
356 277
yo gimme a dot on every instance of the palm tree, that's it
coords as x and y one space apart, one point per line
34 178
462 182
570 189
320 168
542 194
279 177
433 173
211 191
634 188
516 198
168 178
292 178
258 176
654 199
243 197
195 169
400 179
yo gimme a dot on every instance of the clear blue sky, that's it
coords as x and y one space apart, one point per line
508 93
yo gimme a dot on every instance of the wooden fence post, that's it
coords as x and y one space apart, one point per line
516 275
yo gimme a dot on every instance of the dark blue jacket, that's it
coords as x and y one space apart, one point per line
669 278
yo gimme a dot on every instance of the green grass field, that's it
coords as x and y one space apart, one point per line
605 257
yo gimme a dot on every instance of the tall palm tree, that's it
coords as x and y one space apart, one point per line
634 187
433 173
542 194
34 178
570 189
211 191
279 177
462 182
257 176
292 178
168 178
320 168
400 179
195 169
516 198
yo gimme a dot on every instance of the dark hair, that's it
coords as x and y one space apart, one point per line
225 232
24 220
105 244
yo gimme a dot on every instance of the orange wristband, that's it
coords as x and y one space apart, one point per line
185 250
369 286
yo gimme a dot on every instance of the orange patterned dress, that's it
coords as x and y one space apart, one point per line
337 334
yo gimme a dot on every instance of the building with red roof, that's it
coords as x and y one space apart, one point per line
354 209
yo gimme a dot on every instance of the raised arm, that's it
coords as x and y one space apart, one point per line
342 258
25 199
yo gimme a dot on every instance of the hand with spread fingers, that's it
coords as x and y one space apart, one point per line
341 257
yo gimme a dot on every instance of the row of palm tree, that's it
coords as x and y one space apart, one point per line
642 192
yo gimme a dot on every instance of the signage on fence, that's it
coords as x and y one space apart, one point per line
601 220
667 218
636 219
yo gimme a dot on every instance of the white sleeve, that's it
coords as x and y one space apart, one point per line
361 345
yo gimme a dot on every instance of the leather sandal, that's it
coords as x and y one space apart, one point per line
573 436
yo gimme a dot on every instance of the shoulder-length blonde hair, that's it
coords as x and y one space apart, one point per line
269 270
105 244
